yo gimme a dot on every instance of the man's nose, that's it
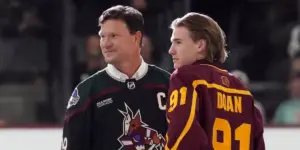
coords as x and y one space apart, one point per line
106 43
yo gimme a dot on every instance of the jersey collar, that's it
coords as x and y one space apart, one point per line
206 62
119 76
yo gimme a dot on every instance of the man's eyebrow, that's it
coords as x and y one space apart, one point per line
175 40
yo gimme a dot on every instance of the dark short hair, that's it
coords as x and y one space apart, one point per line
132 17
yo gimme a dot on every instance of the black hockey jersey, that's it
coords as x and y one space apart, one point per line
111 112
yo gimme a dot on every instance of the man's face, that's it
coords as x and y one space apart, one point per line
183 50
116 42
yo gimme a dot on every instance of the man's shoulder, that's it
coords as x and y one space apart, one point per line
158 75
189 73
83 91
91 79
159 70
207 74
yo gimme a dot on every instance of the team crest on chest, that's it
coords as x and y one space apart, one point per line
137 135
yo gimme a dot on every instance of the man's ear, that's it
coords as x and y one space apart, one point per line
201 45
138 37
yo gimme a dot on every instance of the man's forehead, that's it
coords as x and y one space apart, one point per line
176 35
180 33
117 22
113 26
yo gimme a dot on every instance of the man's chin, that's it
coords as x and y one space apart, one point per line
109 60
176 66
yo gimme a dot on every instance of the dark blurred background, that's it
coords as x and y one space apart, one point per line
48 46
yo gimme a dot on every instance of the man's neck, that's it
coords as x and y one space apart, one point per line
130 67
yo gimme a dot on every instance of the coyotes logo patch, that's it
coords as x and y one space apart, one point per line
137 135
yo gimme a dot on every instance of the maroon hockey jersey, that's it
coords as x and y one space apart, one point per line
210 109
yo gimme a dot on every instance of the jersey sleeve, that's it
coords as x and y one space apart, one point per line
259 143
77 122
184 131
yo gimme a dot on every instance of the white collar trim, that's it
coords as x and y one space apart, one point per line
119 76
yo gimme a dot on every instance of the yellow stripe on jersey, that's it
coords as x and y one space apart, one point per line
214 67
191 118
167 141
222 88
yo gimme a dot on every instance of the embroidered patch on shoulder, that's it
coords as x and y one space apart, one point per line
73 99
